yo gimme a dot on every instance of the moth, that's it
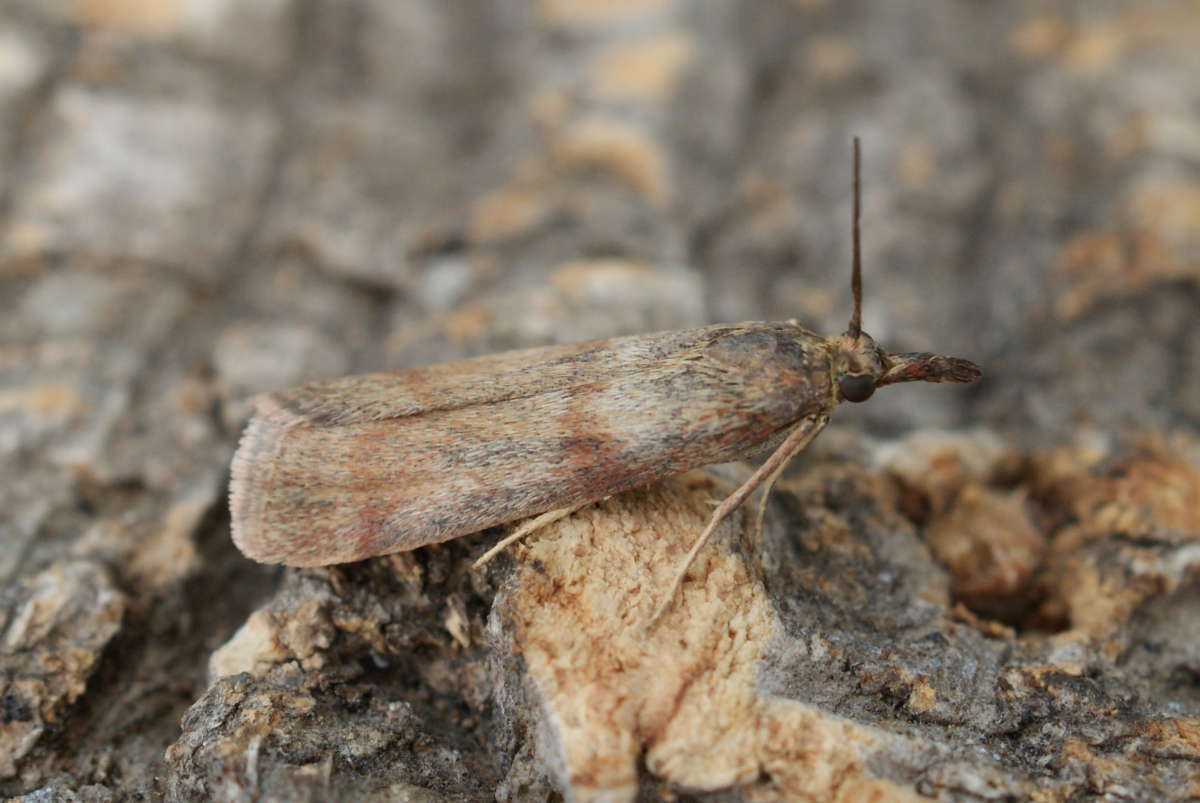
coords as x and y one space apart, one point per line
347 469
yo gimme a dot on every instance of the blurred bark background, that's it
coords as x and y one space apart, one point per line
975 593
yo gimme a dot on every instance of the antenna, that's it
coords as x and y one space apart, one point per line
855 328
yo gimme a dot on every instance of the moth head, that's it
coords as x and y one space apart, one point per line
859 364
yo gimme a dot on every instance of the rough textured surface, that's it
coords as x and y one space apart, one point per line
595 688
55 627
967 594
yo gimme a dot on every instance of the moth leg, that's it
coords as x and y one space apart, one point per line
800 437
760 510
528 526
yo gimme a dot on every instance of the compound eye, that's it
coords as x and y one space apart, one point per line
856 387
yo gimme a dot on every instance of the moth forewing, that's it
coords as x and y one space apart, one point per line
434 454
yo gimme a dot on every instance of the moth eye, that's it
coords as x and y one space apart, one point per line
856 387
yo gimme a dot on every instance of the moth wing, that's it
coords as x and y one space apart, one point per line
313 485
476 381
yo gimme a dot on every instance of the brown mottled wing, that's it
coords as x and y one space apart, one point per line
361 466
